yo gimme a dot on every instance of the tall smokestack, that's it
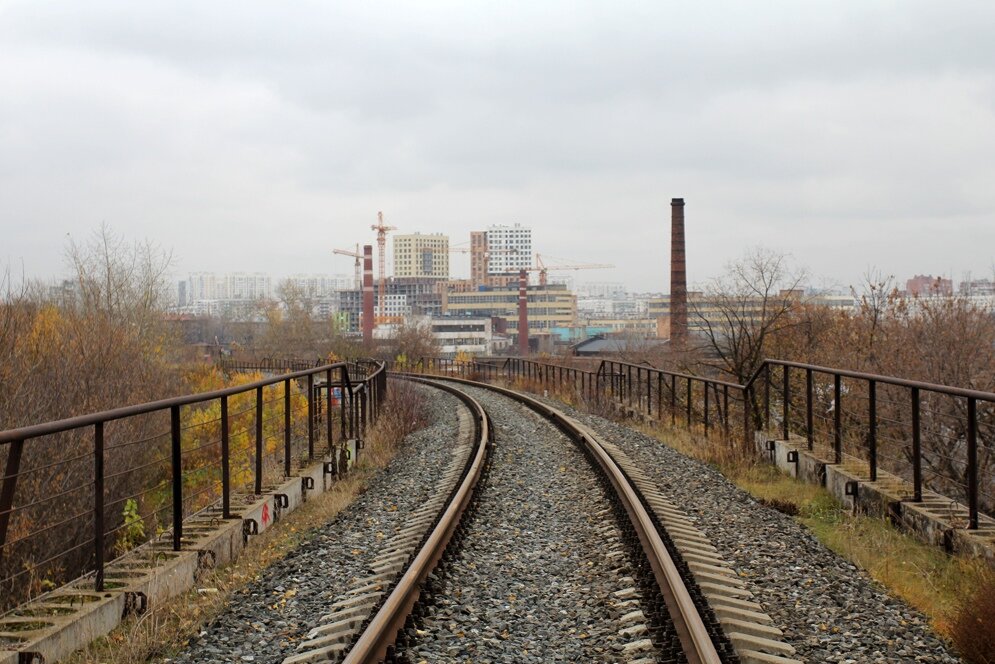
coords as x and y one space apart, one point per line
678 275
523 313
368 295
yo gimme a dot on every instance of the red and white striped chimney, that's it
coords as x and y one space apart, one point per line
368 295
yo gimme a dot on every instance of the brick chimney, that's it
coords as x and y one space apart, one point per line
523 313
368 295
678 275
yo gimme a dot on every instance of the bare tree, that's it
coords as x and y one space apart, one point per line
743 308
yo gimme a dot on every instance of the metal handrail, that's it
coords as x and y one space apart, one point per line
361 404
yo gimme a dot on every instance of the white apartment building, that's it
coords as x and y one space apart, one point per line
509 249
421 256
231 286
320 285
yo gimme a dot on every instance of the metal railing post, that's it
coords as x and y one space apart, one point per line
916 448
286 428
649 395
673 400
10 472
786 406
177 478
689 404
310 417
809 412
837 418
659 395
766 398
98 504
705 388
725 410
225 461
747 425
972 463
258 484
872 429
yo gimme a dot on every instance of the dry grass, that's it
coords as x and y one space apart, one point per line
166 629
972 630
924 576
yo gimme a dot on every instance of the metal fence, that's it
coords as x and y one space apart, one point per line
933 437
77 492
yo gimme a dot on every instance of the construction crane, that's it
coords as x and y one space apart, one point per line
381 230
358 256
542 268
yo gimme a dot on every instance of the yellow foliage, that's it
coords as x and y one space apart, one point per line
46 330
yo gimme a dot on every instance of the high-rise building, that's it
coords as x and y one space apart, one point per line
478 256
421 256
509 249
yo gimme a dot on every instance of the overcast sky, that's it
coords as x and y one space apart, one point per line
260 135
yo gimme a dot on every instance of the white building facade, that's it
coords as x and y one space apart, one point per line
509 249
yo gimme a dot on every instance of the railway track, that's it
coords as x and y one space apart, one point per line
673 598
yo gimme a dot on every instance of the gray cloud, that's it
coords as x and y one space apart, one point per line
260 135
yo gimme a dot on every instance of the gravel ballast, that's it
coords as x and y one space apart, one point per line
265 621
540 575
829 610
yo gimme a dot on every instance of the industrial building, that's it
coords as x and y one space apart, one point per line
548 306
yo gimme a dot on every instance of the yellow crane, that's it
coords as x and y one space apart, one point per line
542 268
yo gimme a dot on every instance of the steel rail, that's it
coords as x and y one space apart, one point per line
381 633
688 623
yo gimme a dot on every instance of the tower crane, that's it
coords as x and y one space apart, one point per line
358 256
542 268
381 230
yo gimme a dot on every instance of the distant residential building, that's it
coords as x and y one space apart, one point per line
509 249
548 306
231 286
421 256
977 288
602 290
319 285
927 285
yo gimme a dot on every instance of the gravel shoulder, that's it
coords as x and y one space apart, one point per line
264 621
829 610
